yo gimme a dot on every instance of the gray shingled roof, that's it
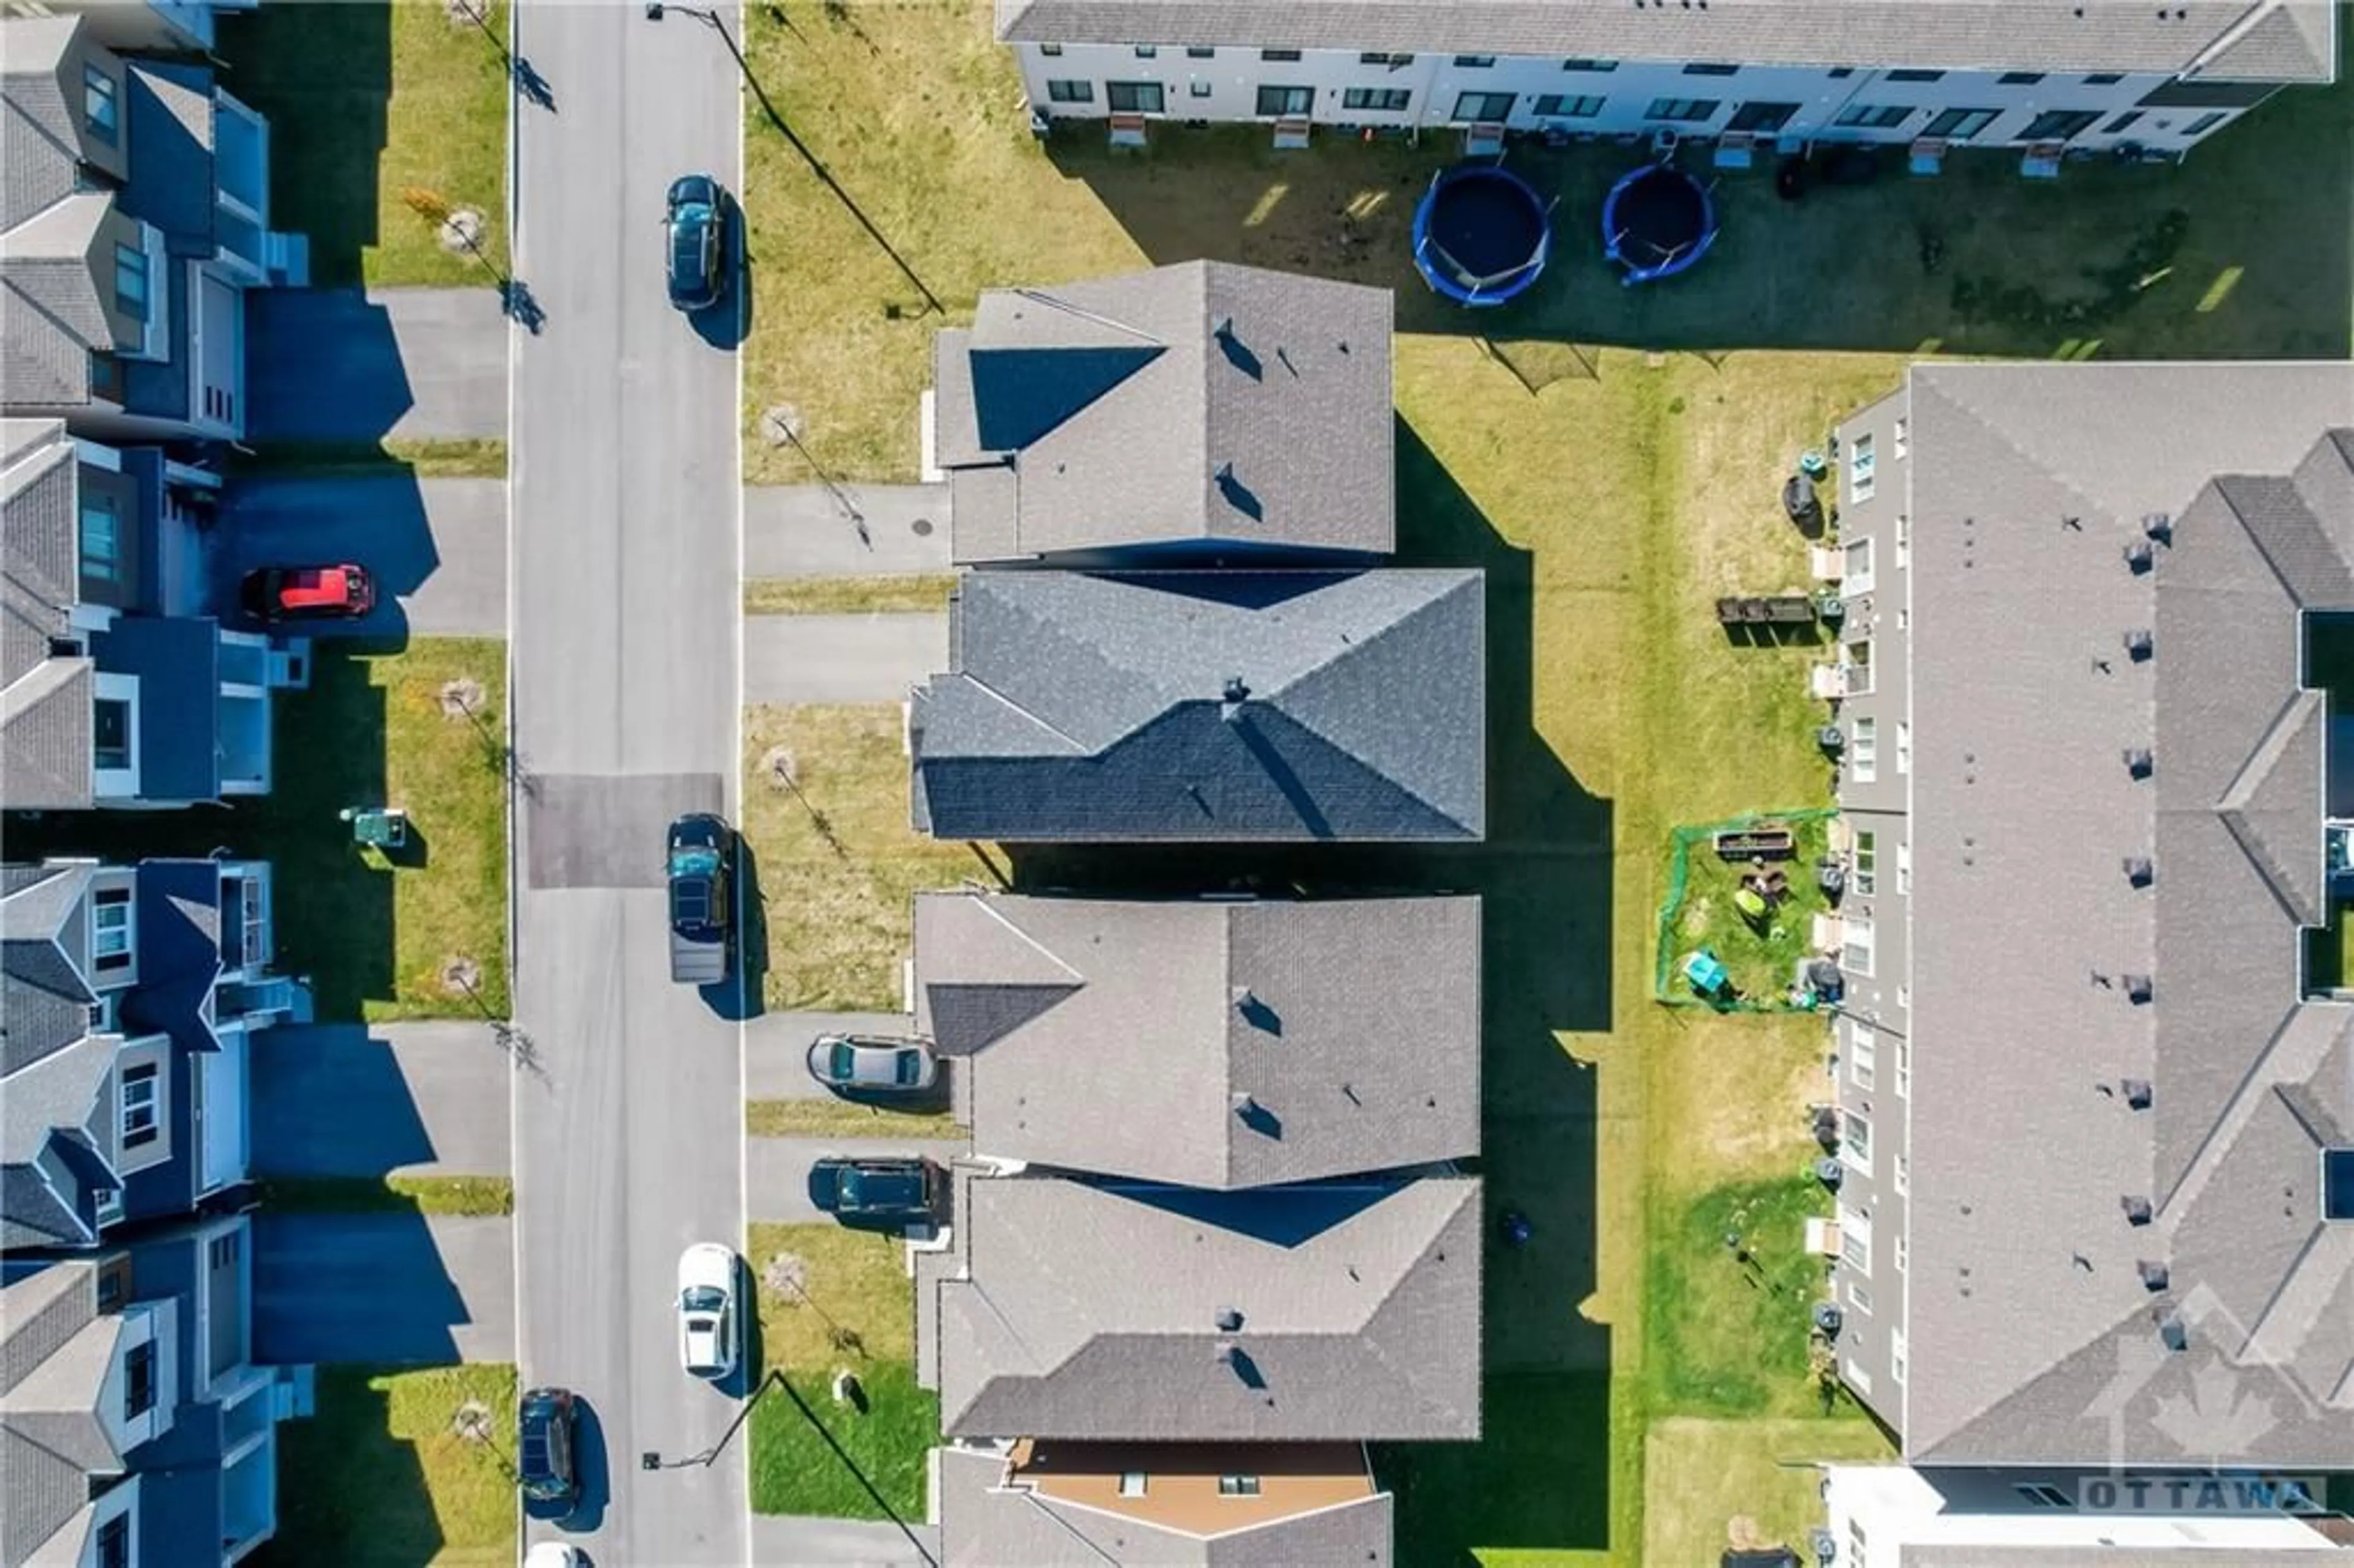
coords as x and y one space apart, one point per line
53 1367
1092 707
1115 1037
1982 35
986 1525
1196 404
2023 811
45 701
1094 1311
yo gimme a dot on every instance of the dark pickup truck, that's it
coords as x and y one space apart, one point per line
896 1191
702 902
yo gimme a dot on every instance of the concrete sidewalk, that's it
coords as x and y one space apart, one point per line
840 657
803 531
350 1100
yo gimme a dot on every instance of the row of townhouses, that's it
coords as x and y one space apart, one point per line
2095 1059
2049 76
138 1426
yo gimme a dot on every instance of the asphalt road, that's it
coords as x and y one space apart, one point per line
625 604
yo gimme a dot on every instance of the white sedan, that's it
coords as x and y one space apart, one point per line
706 1310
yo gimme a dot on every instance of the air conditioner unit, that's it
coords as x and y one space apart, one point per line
1291 132
1128 130
1929 154
1484 139
1736 150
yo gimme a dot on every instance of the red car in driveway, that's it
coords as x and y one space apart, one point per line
309 593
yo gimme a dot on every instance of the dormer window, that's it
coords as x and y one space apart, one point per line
131 280
101 109
109 928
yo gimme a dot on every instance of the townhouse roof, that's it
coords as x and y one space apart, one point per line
986 1524
1140 1312
172 182
2056 515
176 659
52 1068
1194 706
1209 1043
179 950
1203 404
2270 40
54 1360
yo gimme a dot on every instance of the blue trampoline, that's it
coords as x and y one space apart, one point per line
1657 221
1481 235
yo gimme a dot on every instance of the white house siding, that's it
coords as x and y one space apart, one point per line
1225 86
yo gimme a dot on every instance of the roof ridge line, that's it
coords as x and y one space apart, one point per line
1039 296
2216 484
2223 1131
1083 748
987 900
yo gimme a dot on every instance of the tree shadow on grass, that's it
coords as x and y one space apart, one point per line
1540 1477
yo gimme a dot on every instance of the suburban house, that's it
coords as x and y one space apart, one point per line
113 693
138 1430
1092 1505
2096 1058
136 214
149 26
130 993
2047 78
1121 1312
1207 705
1202 414
1215 1044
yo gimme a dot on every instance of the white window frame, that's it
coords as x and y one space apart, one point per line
1896 1356
1855 656
1132 1483
1863 751
137 1113
1866 858
1904 537
1903 1073
112 902
1905 867
1855 567
1863 1049
1855 1239
1904 1251
1863 463
1855 1152
1903 746
1856 957
1902 1176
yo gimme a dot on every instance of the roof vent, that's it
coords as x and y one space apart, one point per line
2140 989
1225 327
2140 645
1244 1105
2140 557
1235 690
2138 1093
2170 1330
1228 1351
1231 1319
2139 762
2158 527
2136 1209
2153 1274
2139 871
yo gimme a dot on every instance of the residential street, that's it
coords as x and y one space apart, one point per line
869 658
626 600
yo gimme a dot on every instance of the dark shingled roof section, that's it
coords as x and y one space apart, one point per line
2018 792
179 950
1202 406
1092 707
1961 35
1349 1029
177 661
1092 1311
171 119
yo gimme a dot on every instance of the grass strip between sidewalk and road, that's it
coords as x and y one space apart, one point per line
472 1195
453 458
847 596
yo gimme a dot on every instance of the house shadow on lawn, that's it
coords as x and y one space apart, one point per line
1540 1477
322 76
342 1456
2242 251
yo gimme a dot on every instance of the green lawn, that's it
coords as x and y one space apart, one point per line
472 458
846 596
843 1119
380 938
367 99
838 863
1728 1324
855 1308
1760 956
393 1194
378 1478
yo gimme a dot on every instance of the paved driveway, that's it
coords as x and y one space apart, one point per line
775 1170
840 657
347 1100
397 1287
437 547
342 365
802 530
776 1049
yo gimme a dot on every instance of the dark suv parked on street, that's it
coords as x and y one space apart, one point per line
544 1466
694 227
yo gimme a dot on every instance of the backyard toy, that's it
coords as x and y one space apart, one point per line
1707 974
1515 1228
1481 235
1752 904
1657 221
381 826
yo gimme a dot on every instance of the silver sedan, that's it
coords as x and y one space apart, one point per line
863 1064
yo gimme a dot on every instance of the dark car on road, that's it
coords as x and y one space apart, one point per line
896 1191
695 228
308 593
702 898
543 1467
